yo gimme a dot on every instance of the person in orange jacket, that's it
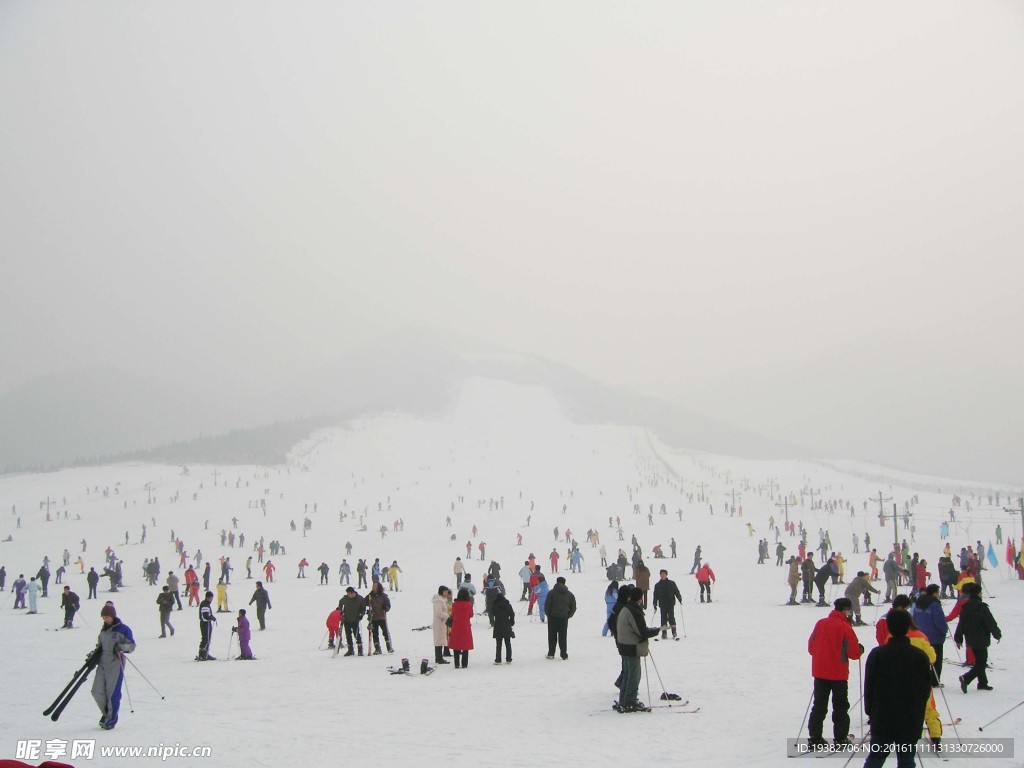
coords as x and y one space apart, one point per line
832 645
704 578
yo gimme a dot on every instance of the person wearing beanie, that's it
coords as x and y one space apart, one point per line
896 690
631 637
859 587
115 639
244 635
832 645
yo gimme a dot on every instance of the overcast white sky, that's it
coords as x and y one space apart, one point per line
800 217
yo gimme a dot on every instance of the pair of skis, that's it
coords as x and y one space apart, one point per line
679 708
59 704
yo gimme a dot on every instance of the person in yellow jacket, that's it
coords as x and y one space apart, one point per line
919 640
222 596
393 572
841 565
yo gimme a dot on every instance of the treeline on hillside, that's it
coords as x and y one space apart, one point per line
256 445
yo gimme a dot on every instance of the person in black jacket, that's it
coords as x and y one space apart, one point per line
977 627
352 608
897 687
666 592
503 617
206 622
262 599
559 607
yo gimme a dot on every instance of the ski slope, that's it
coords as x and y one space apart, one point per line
743 660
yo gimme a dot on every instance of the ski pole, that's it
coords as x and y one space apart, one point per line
804 719
855 752
949 711
128 659
647 677
124 679
682 618
231 636
661 682
986 725
320 647
860 684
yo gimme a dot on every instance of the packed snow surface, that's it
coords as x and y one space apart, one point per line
504 450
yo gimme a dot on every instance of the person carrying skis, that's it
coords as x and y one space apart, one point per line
115 639
70 603
244 635
705 576
832 645
666 593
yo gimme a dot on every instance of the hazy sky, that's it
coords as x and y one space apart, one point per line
800 217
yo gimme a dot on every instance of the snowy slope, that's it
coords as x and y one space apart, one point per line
743 660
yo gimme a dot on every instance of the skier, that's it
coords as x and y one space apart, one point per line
33 595
666 593
832 645
696 560
302 568
222 596
540 594
553 558
977 627
524 574
19 588
268 570
611 597
439 625
503 617
793 579
393 570
325 570
460 639
206 622
262 599
69 602
535 578
165 604
115 639
334 626
631 638
559 606
379 604
352 607
858 586
705 576
244 635
360 573
896 690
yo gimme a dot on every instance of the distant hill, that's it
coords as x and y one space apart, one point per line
96 415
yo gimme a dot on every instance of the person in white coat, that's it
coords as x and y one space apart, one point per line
440 623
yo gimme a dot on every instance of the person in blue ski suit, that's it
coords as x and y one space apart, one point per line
541 591
611 597
114 640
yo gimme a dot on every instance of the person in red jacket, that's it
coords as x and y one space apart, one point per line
553 557
269 569
333 626
303 564
704 577
460 639
534 581
832 645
